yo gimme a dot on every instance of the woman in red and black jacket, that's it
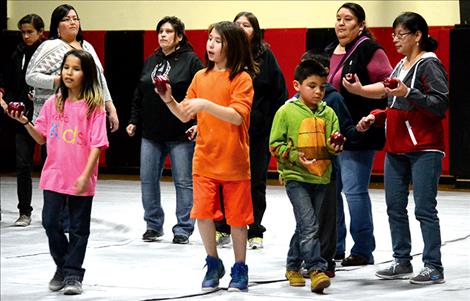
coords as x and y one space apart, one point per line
415 145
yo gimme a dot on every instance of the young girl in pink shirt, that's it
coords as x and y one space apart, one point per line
73 125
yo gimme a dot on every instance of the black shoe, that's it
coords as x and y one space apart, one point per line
151 235
73 287
180 239
57 282
355 260
339 257
397 270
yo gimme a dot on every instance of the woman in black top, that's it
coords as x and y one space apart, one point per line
162 132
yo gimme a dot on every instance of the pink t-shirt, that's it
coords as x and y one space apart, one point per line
69 138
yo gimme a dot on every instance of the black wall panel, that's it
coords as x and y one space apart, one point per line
459 118
464 6
123 64
8 42
319 38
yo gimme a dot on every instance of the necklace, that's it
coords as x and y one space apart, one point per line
411 62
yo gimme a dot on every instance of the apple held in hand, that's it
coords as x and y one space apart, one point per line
350 77
337 138
16 107
160 82
391 83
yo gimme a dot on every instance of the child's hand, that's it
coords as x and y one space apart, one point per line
80 185
365 123
337 141
18 116
194 106
304 161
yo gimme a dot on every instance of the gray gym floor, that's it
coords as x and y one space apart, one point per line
120 266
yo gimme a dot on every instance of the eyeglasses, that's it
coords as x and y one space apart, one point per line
400 35
70 20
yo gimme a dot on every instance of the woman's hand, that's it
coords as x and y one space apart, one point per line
354 87
401 90
130 129
112 116
365 123
191 132
167 95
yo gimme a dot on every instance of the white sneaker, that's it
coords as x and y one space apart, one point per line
23 221
255 243
222 239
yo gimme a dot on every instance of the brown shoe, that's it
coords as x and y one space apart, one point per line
355 260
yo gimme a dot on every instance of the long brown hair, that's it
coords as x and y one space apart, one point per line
236 47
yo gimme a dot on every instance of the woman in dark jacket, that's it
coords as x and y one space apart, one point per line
162 132
415 146
356 56
16 89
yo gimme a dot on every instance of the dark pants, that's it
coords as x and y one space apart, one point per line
327 225
259 163
24 166
68 254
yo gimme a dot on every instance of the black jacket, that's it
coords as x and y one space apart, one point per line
270 94
148 110
16 88
358 106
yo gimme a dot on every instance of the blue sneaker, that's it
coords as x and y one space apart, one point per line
239 282
215 271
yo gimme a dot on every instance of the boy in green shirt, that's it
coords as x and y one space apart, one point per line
300 142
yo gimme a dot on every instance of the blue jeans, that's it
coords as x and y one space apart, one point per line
304 246
356 167
68 254
152 158
423 170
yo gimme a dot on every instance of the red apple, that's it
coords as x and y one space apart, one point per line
391 82
337 138
16 107
160 82
350 77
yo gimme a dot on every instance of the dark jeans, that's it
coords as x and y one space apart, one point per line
423 170
304 246
259 163
68 254
327 223
24 166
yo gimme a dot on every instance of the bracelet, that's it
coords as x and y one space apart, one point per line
25 123
167 102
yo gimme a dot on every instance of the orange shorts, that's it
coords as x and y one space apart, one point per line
237 201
